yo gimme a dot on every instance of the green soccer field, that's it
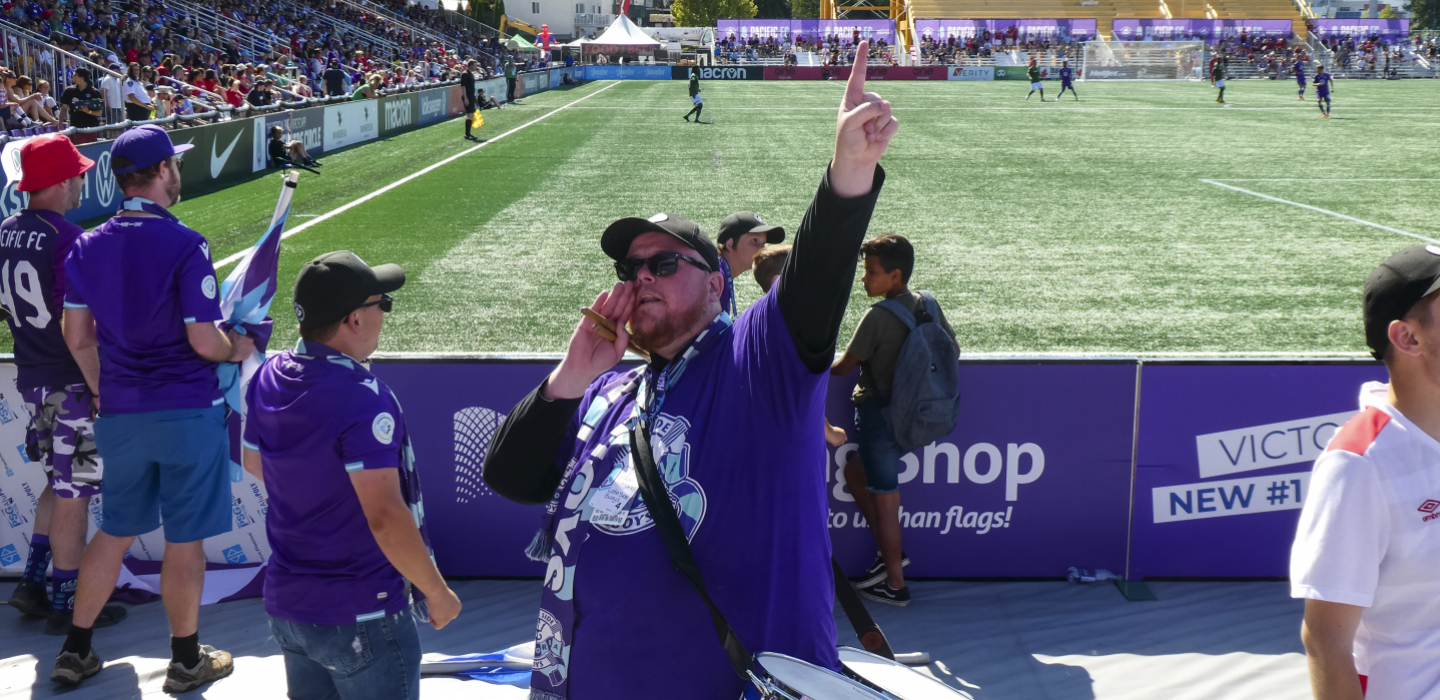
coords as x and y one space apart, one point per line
1134 221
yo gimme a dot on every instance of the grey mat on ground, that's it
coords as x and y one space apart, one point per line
1011 641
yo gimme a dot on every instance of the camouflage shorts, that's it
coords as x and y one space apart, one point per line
61 438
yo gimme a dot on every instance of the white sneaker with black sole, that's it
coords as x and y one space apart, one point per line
876 573
883 593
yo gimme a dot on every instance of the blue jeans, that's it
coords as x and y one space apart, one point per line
377 659
878 452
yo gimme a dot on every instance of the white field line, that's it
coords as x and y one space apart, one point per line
1322 211
1332 179
1000 109
357 202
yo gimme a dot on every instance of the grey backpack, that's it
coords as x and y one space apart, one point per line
925 396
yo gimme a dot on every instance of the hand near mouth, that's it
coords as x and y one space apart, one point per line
590 355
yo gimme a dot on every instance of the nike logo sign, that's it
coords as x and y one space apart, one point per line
217 163
372 385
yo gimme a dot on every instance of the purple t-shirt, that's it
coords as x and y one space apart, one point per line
33 246
315 415
746 459
145 278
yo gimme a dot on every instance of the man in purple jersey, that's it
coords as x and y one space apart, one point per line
142 286
58 386
346 524
754 510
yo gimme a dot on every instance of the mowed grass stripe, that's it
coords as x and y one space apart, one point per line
1068 231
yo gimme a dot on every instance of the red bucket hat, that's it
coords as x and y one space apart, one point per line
46 161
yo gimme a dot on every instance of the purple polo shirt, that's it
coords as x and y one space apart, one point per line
144 278
314 414
33 246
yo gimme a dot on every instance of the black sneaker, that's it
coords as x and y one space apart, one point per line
883 593
58 624
70 669
30 599
876 573
213 665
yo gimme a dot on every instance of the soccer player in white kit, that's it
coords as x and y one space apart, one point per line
1366 556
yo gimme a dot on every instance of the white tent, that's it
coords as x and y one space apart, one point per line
622 38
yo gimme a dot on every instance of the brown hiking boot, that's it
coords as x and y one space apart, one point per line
214 665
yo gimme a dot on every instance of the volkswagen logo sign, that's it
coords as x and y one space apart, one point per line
104 180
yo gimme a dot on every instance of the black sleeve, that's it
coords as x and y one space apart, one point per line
520 464
814 287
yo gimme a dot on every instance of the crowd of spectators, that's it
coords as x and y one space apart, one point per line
834 50
953 51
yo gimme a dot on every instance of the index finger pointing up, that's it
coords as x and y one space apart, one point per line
855 87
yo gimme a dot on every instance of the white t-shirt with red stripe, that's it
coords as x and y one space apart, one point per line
1369 536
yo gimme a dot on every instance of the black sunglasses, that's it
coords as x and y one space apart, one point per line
385 302
660 265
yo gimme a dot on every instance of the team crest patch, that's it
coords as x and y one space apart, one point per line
208 286
384 428
550 649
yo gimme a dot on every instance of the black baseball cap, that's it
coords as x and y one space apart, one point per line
1393 288
618 236
743 222
335 284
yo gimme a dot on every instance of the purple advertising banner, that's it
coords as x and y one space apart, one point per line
451 410
1389 29
943 29
1223 462
1209 30
809 29
1035 479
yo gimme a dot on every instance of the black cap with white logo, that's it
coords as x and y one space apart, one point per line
617 238
743 222
335 284
1394 287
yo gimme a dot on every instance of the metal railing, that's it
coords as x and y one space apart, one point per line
26 53
345 29
417 31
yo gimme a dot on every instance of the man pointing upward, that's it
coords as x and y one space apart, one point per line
754 511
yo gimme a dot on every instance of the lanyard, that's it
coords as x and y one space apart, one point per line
149 207
650 395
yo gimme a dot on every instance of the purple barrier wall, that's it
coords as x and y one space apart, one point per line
1034 480
942 29
1209 30
1224 459
810 29
1389 29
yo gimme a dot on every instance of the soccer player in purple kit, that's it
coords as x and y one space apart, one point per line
1323 85
1067 78
1299 69
754 510
345 520
142 286
58 386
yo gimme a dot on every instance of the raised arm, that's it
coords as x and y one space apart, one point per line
814 286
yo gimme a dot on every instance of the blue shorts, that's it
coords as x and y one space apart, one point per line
171 465
879 454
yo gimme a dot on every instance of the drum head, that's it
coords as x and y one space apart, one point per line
812 681
897 679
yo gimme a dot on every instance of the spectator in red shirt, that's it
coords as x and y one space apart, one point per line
234 96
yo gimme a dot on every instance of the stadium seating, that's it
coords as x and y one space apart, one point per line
1107 10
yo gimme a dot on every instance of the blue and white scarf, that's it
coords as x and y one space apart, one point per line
600 474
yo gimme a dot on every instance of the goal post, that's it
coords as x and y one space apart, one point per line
1144 60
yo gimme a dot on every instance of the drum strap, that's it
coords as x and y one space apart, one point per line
667 522
657 501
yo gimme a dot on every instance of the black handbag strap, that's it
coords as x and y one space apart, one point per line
657 501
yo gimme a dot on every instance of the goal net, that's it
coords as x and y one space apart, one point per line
1143 60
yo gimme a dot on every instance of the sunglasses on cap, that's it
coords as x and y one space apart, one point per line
659 264
385 302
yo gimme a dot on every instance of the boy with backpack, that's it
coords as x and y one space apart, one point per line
907 397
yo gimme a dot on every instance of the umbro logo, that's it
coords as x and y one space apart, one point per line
1429 508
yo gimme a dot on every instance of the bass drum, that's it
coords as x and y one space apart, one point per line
897 680
787 678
